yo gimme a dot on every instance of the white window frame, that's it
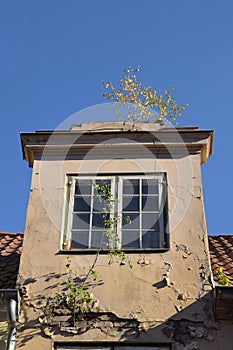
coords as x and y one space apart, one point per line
116 190
71 205
161 198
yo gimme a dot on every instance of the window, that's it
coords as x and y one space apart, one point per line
137 210
115 347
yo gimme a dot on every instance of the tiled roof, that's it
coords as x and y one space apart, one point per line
220 247
10 251
221 255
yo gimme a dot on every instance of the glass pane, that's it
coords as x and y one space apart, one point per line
131 186
83 187
98 220
79 239
99 204
150 221
104 187
150 186
130 204
82 204
150 203
130 221
150 239
99 239
81 221
130 239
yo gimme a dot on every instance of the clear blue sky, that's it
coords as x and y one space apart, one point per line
54 55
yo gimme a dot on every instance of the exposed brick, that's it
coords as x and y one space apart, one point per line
107 317
65 324
61 318
106 324
126 324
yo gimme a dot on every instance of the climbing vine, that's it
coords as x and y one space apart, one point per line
76 297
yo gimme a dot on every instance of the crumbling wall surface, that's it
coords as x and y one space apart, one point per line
197 337
165 297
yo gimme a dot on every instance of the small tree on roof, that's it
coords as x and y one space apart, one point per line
142 102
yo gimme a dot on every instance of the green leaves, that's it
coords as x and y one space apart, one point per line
119 254
104 191
223 280
94 274
127 219
76 298
145 102
76 294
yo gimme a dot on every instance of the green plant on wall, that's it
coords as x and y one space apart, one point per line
223 280
142 102
76 298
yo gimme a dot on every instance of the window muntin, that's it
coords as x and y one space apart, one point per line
139 208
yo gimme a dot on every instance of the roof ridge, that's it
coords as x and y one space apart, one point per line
11 233
221 234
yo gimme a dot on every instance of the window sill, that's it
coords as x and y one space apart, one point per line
106 251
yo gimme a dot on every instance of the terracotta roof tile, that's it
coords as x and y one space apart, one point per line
221 255
10 251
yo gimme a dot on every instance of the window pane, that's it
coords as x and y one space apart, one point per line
79 239
130 204
130 239
82 203
81 221
150 221
83 187
130 221
150 203
99 239
99 204
104 187
150 239
98 220
150 186
131 186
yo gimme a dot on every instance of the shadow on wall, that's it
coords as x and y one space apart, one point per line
189 327
2 344
9 265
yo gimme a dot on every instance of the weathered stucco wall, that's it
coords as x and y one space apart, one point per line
135 304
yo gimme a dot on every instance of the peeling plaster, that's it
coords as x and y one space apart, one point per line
183 248
185 332
108 323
